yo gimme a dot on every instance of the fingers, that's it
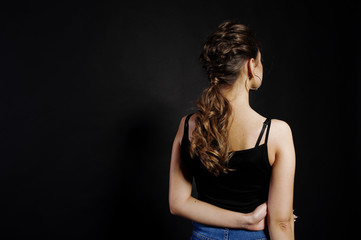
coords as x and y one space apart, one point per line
295 216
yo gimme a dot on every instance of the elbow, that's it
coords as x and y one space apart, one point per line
284 224
174 207
177 205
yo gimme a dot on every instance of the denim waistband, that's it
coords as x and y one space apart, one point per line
205 232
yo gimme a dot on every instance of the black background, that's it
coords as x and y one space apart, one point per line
92 94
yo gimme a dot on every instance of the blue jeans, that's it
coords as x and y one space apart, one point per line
203 232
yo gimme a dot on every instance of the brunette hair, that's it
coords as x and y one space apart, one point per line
223 54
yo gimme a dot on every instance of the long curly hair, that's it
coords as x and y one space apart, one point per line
224 53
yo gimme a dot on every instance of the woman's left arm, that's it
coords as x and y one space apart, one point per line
280 201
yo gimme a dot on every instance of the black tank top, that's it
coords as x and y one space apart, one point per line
242 189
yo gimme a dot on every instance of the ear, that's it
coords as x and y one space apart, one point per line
250 67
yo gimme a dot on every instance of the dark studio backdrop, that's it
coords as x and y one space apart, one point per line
92 94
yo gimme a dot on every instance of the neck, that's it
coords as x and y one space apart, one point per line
238 96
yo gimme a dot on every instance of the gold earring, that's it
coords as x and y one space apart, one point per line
247 85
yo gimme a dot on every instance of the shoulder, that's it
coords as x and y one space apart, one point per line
190 119
280 137
191 123
280 128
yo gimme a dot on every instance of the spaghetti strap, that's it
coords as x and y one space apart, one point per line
186 126
268 128
266 123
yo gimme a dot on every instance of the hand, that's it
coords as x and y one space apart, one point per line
257 218
294 216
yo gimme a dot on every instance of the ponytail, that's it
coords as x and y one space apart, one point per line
210 138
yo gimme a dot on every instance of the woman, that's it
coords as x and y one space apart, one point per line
239 162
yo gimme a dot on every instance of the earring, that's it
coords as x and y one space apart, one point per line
247 85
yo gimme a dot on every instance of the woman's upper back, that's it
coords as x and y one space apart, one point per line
244 134
246 185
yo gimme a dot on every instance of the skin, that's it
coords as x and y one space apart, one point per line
243 129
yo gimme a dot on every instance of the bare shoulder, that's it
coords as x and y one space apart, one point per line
179 135
280 128
180 132
280 138
192 122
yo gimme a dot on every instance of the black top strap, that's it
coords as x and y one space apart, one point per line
186 126
266 123
269 126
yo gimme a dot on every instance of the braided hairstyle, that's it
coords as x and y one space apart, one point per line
224 53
